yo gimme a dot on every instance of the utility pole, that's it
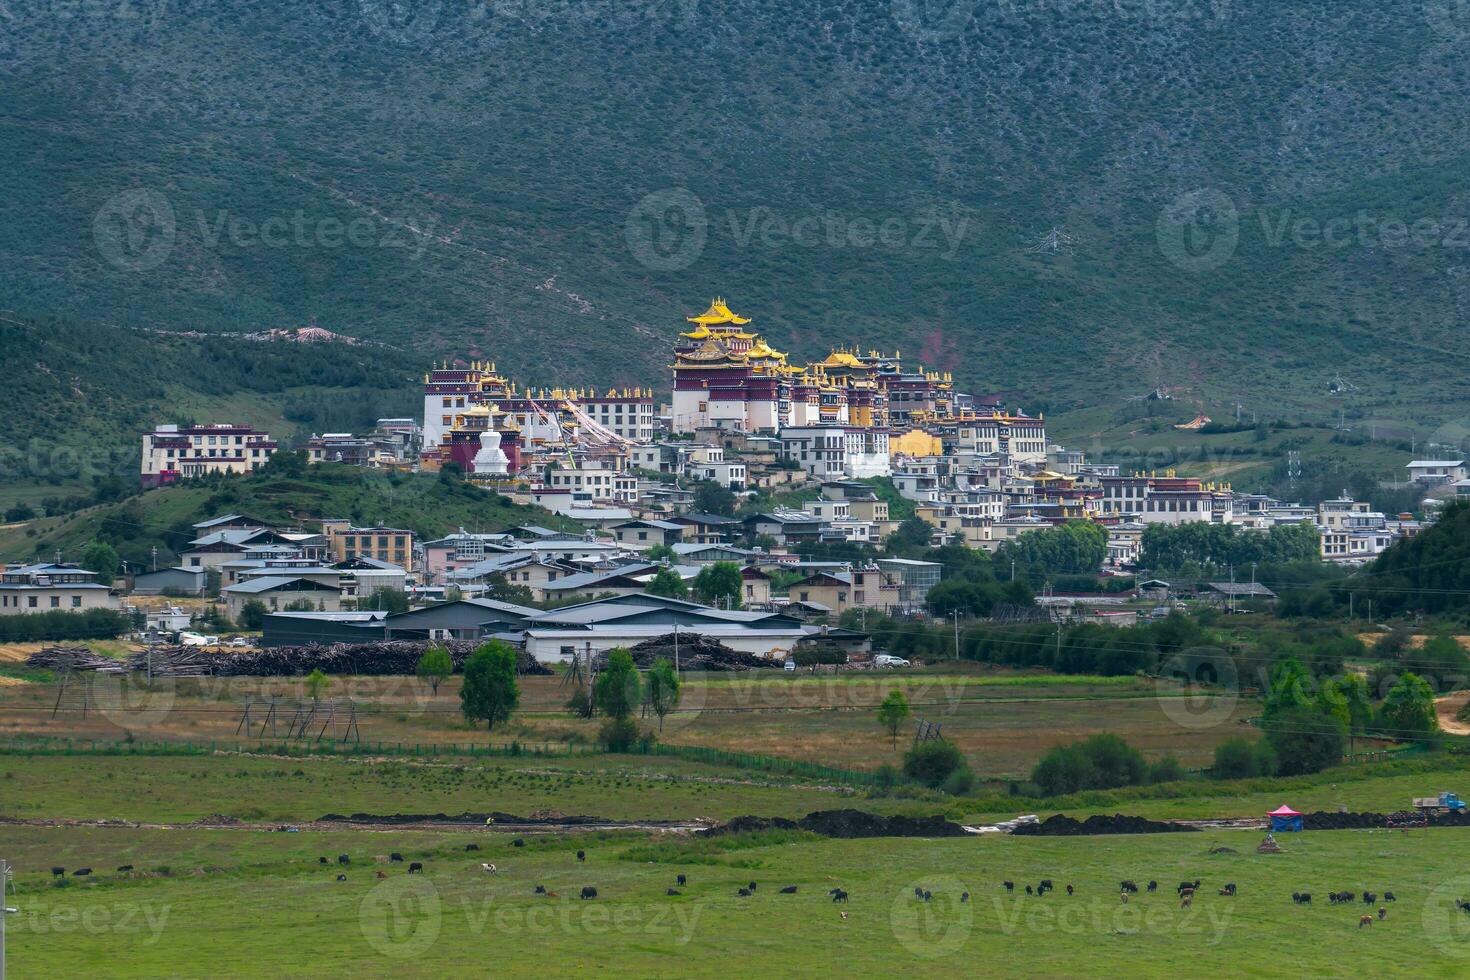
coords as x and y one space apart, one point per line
1013 569
957 634
154 552
676 649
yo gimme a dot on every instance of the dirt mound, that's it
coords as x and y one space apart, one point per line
1060 825
467 819
845 824
697 652
1322 820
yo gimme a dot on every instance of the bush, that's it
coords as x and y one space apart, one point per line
960 782
1242 758
931 763
1100 762
885 776
1305 740
59 624
1166 770
618 734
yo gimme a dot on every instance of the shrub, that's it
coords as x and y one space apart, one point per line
1305 740
1100 762
618 734
931 763
1166 770
959 782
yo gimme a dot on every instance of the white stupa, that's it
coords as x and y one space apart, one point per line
491 459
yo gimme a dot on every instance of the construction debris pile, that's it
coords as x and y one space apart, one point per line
380 658
696 652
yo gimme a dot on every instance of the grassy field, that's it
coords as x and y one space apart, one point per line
243 903
1003 722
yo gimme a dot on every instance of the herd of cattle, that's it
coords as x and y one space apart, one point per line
1185 891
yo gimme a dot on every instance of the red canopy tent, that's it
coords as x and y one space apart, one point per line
1284 818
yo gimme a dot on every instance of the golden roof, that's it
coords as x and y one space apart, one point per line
761 349
718 312
698 333
841 358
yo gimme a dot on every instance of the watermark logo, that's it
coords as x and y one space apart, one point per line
1199 688
667 230
1445 917
933 21
401 917
135 230
932 918
1199 230
401 21
1450 19
132 701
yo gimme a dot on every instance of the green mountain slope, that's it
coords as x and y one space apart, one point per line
81 396
557 184
164 518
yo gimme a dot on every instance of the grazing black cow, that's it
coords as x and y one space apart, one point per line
322 860
1369 898
1302 898
1069 889
395 856
1388 897
472 847
838 895
681 879
673 891
789 890
744 893
1228 890
928 895
81 872
964 897
1046 883
1462 905
918 892
751 886
1009 886
58 872
540 890
123 869
581 855
518 842
589 892
1129 886
416 868
341 877
1153 886
1028 889
343 859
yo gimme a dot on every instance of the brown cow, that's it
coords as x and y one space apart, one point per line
1365 920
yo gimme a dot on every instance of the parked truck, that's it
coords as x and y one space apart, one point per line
1444 801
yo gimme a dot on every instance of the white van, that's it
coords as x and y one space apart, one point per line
887 660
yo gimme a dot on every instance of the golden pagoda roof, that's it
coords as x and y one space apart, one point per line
712 350
842 358
718 312
761 349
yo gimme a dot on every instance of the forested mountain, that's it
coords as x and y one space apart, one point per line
1074 201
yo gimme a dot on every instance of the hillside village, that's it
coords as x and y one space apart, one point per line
765 502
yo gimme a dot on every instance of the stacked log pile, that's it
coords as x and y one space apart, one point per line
71 658
380 658
696 652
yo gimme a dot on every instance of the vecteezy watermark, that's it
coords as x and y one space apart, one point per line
1111 917
933 21
1199 230
667 229
135 229
933 917
448 25
1362 229
1450 19
1199 688
402 21
131 701
403 917
1446 919
42 918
